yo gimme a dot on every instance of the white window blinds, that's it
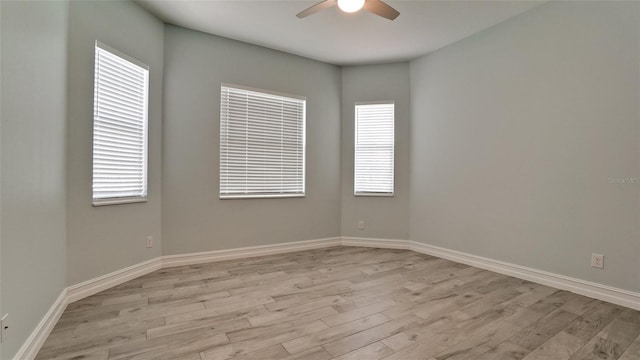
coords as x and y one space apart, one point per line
119 128
374 147
262 143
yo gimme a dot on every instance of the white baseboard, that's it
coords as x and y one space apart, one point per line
376 243
598 291
76 292
95 285
73 293
30 348
610 294
245 252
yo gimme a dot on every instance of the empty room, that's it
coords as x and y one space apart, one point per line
319 180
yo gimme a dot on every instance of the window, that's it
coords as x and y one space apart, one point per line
262 143
374 143
119 128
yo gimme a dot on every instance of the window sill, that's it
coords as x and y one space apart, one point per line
264 196
118 201
374 194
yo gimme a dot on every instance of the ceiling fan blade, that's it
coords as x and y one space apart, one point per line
317 7
379 8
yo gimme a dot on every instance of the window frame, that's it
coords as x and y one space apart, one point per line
355 145
117 200
248 196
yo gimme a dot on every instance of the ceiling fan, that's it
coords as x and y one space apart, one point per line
375 6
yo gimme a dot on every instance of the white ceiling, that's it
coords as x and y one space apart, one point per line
336 37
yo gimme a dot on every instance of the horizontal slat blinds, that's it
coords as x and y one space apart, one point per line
374 144
119 128
262 144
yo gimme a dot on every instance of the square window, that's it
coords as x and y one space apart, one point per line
262 144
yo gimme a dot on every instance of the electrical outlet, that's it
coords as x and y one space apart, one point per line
149 241
597 261
361 225
4 326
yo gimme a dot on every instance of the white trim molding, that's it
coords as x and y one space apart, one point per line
95 285
32 345
594 290
246 252
376 243
73 293
610 294
76 292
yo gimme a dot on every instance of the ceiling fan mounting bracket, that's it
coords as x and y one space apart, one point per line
377 7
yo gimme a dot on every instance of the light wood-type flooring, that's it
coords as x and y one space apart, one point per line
343 303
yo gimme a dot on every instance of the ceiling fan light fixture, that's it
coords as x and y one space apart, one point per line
350 6
377 7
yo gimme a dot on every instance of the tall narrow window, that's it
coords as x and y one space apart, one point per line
374 145
120 104
262 143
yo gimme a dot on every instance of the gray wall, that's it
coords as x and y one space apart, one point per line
108 238
1 312
515 133
193 217
384 217
32 208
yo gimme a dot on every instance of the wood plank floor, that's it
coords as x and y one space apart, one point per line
343 303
